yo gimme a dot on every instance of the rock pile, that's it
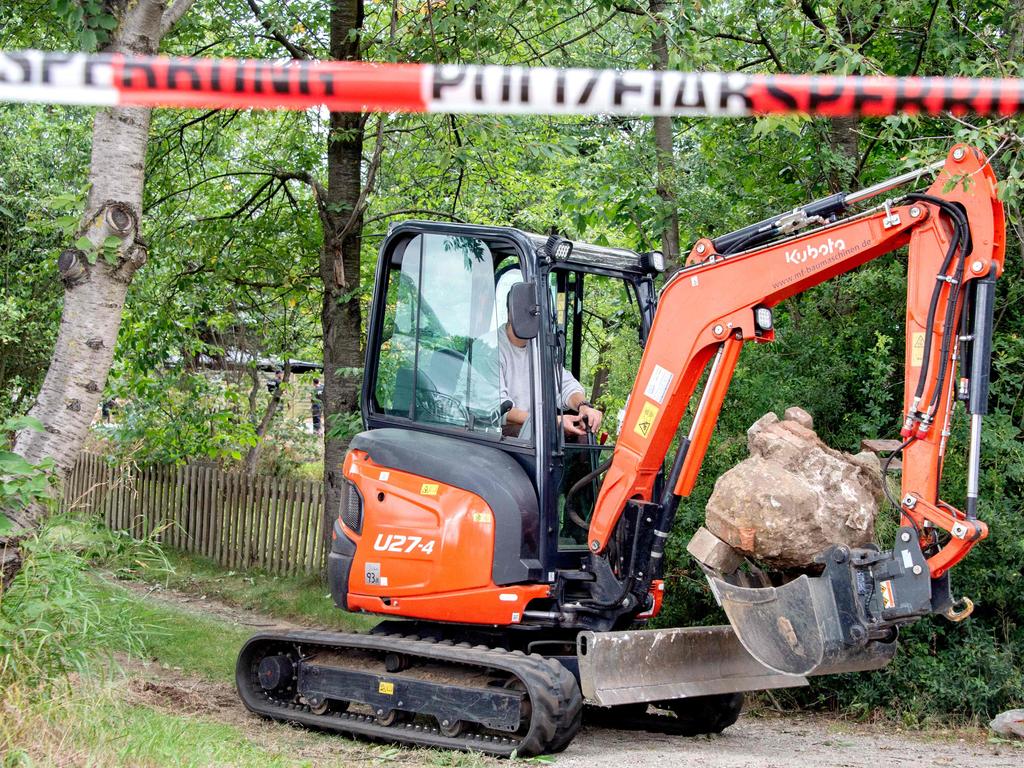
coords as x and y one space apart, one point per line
794 497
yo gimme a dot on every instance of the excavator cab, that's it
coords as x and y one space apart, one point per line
440 477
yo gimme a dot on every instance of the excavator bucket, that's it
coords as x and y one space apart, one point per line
805 627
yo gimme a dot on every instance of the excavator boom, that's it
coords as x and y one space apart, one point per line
717 302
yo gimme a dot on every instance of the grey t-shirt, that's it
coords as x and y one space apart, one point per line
514 376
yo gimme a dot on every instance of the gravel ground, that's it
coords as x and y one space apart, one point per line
795 741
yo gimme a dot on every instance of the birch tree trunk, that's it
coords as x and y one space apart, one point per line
95 278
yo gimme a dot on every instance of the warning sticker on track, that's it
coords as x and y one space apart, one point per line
888 595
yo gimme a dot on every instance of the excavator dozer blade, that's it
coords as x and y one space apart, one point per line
800 628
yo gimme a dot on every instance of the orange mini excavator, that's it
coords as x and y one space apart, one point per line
516 569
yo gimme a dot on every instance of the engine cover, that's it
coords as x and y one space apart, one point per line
425 549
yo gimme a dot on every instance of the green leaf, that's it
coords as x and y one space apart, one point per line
17 423
14 464
84 243
5 525
88 39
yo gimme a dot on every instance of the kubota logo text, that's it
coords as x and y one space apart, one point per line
800 255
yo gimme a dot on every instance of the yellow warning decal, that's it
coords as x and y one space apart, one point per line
647 416
888 595
428 489
482 517
917 349
386 688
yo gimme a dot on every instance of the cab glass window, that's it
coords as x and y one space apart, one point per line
438 362
598 321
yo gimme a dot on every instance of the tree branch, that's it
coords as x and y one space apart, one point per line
562 45
737 38
319 193
462 165
297 51
753 63
173 15
244 207
371 177
407 211
261 429
812 15
924 41
768 45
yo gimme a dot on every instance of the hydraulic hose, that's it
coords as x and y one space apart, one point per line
937 292
578 486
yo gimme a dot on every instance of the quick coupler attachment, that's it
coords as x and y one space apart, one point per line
844 620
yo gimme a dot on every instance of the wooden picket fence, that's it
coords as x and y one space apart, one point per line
265 523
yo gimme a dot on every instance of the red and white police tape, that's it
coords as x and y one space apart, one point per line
115 79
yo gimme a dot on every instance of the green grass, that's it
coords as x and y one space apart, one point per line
300 599
105 731
92 724
99 716
179 638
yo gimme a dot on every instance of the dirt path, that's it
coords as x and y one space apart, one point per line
793 741
207 606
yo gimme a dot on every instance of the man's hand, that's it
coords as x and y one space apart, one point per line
591 418
571 423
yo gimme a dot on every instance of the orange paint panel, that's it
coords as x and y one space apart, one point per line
491 605
424 548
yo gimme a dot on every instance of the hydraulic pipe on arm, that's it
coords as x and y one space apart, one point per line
956 238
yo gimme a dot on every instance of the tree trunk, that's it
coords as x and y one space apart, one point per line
843 132
253 454
663 147
94 293
845 141
1015 34
339 261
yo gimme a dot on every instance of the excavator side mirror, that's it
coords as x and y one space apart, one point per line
524 310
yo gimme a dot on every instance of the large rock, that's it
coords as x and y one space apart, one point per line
1009 723
794 497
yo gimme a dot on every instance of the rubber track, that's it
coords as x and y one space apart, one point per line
716 717
555 698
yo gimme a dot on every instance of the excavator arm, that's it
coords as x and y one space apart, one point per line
724 297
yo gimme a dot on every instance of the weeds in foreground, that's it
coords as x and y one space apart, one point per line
53 618
93 723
